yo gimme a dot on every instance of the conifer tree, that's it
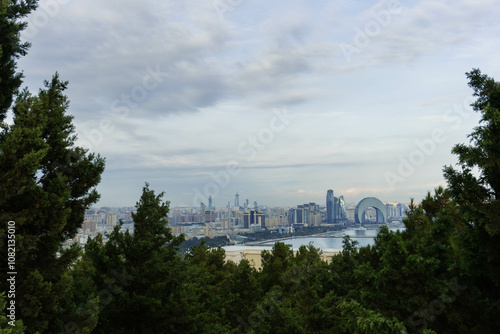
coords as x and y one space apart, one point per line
477 195
11 14
46 183
152 297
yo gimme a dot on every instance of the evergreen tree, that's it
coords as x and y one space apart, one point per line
46 183
477 196
11 14
139 277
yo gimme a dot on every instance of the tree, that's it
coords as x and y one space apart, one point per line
11 48
7 325
46 184
477 195
152 297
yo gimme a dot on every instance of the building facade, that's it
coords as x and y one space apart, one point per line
330 207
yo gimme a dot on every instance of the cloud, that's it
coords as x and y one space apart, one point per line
219 78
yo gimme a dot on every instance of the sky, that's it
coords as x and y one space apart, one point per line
276 100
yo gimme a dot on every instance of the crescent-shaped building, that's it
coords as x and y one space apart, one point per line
370 202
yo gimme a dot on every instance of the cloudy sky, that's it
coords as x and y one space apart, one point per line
277 100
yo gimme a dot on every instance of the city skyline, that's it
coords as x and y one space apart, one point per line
276 101
214 206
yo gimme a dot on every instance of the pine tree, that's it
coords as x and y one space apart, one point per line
46 183
11 48
152 298
477 195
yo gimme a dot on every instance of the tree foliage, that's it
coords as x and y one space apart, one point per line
46 185
11 48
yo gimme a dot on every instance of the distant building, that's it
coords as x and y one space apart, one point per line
299 215
208 233
330 207
401 210
313 208
210 203
340 208
111 219
177 229
99 218
391 210
209 216
237 200
89 226
350 214
261 220
226 224
315 219
253 218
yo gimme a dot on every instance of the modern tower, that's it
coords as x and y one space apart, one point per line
210 203
330 208
342 214
237 200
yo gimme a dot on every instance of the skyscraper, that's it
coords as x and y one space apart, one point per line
330 208
210 204
237 200
111 219
342 213
254 217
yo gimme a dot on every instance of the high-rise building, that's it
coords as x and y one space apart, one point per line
261 219
210 203
401 210
290 215
237 200
330 208
313 208
209 216
299 215
111 219
341 209
89 226
254 217
391 210
255 204
248 219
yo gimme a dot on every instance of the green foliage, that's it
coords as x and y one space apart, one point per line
477 196
139 278
7 325
11 14
46 185
359 320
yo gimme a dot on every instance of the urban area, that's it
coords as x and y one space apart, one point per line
238 218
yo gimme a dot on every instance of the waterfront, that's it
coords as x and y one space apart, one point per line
331 241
